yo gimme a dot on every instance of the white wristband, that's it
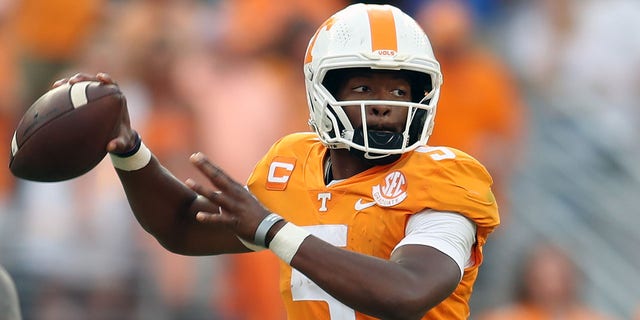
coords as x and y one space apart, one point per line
134 162
287 241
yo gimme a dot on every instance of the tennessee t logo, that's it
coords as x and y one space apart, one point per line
324 197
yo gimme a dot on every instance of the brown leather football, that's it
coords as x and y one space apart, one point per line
64 133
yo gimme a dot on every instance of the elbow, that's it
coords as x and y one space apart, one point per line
406 308
412 304
168 239
164 237
395 305
176 241
171 234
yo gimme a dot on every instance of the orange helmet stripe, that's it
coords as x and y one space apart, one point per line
383 29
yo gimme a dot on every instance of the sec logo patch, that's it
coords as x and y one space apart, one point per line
391 191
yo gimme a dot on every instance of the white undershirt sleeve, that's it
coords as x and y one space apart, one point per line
449 232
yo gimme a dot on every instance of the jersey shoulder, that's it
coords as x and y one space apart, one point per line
455 181
294 144
458 166
286 158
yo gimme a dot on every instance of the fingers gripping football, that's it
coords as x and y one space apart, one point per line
239 210
125 138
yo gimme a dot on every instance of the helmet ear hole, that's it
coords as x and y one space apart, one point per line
417 125
334 79
420 85
331 82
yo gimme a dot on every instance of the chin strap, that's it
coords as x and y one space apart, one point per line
328 173
378 140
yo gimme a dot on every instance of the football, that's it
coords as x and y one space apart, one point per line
65 132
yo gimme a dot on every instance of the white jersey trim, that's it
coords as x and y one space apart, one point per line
449 232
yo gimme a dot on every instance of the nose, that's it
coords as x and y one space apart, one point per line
379 110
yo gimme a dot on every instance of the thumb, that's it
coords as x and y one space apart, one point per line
118 145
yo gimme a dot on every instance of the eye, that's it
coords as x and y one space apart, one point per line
362 88
399 92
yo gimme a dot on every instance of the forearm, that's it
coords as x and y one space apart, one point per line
159 201
166 208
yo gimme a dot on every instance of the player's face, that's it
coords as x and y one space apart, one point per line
377 85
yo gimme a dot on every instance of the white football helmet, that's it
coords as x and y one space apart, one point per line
376 37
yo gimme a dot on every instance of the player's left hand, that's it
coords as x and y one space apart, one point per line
240 211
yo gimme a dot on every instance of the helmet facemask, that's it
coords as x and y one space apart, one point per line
377 146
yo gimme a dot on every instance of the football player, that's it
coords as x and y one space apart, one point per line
368 220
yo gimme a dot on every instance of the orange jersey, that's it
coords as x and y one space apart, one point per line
367 213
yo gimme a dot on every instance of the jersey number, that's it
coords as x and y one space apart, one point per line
437 153
302 288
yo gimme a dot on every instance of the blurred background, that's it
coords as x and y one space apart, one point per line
545 93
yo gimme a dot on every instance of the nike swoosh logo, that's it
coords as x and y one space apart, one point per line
363 205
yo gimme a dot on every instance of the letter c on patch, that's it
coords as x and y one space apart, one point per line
279 173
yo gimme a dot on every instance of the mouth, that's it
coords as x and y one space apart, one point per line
386 139
381 128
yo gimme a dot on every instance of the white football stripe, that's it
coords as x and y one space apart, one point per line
79 93
14 145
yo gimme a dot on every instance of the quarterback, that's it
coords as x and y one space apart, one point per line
368 220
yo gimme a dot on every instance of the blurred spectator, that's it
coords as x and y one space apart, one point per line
484 12
74 249
480 110
548 288
9 99
165 118
9 302
576 55
50 34
582 177
244 33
